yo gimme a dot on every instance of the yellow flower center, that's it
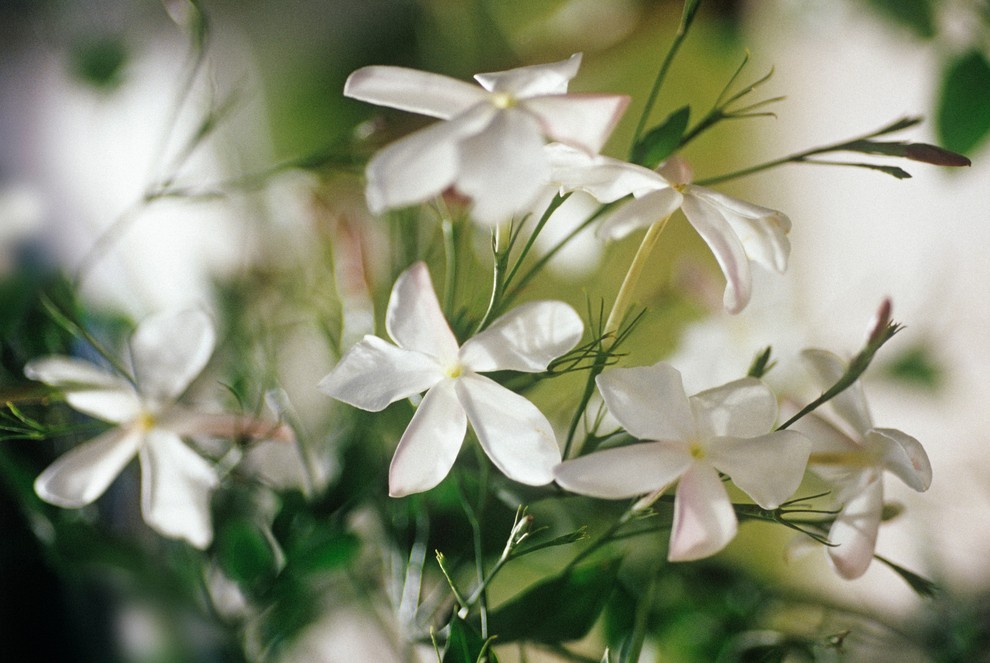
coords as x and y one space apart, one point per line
455 370
146 421
697 451
503 100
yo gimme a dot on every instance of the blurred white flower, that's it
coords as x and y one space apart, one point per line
726 429
512 431
490 146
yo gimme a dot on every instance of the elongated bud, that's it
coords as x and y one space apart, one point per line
880 323
935 155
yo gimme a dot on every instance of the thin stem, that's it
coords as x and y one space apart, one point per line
623 300
498 279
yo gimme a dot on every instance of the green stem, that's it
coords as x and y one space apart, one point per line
623 300
498 279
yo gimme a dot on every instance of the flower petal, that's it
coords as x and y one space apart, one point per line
504 167
854 532
522 82
903 456
511 430
624 472
711 224
430 443
640 213
582 120
169 350
420 166
649 401
768 468
604 178
414 319
850 404
834 456
762 231
413 90
527 338
374 373
188 423
176 486
742 408
82 474
704 521
88 388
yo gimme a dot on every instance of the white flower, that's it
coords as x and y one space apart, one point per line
735 231
490 148
511 430
168 351
726 429
853 461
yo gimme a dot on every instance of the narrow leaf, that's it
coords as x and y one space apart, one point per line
465 645
661 141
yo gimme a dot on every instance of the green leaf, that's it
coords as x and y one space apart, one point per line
916 15
465 645
661 141
100 62
922 586
243 552
964 107
323 550
560 609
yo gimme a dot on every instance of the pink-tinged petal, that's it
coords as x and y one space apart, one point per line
649 402
423 164
834 457
640 213
855 532
503 168
624 472
677 170
169 350
768 468
527 339
176 486
414 319
88 388
606 179
522 82
188 423
762 231
711 224
903 456
511 430
412 90
704 521
82 474
742 408
850 404
374 373
430 444
581 120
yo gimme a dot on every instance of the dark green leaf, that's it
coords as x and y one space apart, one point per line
661 141
560 609
924 587
243 551
964 107
100 62
916 15
465 645
917 366
323 550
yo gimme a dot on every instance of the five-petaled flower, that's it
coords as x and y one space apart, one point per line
853 460
512 431
168 351
734 230
490 148
726 429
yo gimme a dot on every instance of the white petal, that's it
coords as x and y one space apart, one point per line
414 319
169 350
511 430
704 521
649 401
855 532
412 90
420 166
374 373
768 468
742 408
850 404
88 388
834 456
582 120
904 457
606 179
551 78
176 485
640 213
711 224
762 231
187 423
527 338
624 472
504 167
82 474
430 444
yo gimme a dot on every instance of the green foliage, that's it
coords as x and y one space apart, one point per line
244 552
963 117
465 645
559 609
917 367
662 140
916 15
100 62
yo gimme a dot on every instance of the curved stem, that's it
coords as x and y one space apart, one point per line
623 299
